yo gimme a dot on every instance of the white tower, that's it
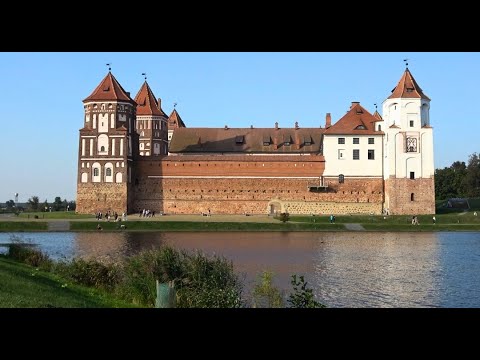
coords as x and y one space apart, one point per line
408 167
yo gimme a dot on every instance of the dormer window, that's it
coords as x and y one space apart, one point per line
266 141
409 89
239 139
307 141
360 127
359 111
287 141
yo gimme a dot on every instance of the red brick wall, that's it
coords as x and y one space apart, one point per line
399 194
95 197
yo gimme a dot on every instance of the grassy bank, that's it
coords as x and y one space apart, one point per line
71 215
7 226
22 286
202 226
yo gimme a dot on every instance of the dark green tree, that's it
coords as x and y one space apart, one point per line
472 178
10 204
57 203
33 203
284 217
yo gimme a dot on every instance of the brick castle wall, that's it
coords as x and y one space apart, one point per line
399 194
95 197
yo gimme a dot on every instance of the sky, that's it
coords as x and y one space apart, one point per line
42 97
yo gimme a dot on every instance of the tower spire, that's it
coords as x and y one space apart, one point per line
109 66
145 75
406 63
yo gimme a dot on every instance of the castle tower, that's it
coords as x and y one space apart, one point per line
174 122
408 166
106 149
151 123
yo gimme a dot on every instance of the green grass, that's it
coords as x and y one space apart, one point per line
202 226
55 215
6 226
22 286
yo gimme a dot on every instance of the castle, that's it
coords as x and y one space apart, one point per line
132 156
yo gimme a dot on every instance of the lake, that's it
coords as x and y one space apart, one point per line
345 269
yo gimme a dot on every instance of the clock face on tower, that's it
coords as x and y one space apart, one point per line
411 144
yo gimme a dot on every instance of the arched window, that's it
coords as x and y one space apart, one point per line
108 172
379 127
412 197
341 178
96 172
102 148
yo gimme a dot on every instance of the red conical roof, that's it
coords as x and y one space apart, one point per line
146 102
109 89
175 121
407 87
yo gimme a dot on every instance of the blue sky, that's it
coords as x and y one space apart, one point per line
42 97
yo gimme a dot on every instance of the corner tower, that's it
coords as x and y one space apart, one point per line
106 149
151 123
408 166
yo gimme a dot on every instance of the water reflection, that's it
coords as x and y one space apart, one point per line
367 269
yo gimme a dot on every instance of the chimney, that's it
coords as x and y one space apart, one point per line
276 125
128 93
251 126
226 127
328 121
296 125
354 103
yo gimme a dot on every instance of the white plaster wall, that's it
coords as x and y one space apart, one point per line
118 177
349 167
102 141
97 178
84 177
108 170
102 122
399 163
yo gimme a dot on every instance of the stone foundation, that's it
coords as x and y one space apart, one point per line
101 197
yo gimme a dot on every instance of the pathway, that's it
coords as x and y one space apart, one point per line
354 227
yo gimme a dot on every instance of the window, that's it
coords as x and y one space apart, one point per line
108 172
102 148
412 197
379 127
356 140
239 139
341 154
356 154
307 141
411 123
341 140
411 145
371 154
412 175
341 178
95 172
372 140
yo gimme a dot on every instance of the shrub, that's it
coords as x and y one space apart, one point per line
302 297
265 294
90 273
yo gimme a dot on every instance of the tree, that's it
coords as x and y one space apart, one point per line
57 203
302 297
33 202
10 204
472 178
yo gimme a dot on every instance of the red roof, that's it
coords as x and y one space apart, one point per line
146 102
357 121
175 121
377 116
109 89
407 87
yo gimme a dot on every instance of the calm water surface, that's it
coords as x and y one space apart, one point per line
367 269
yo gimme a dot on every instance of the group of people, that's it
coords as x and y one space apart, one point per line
111 215
147 213
415 220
